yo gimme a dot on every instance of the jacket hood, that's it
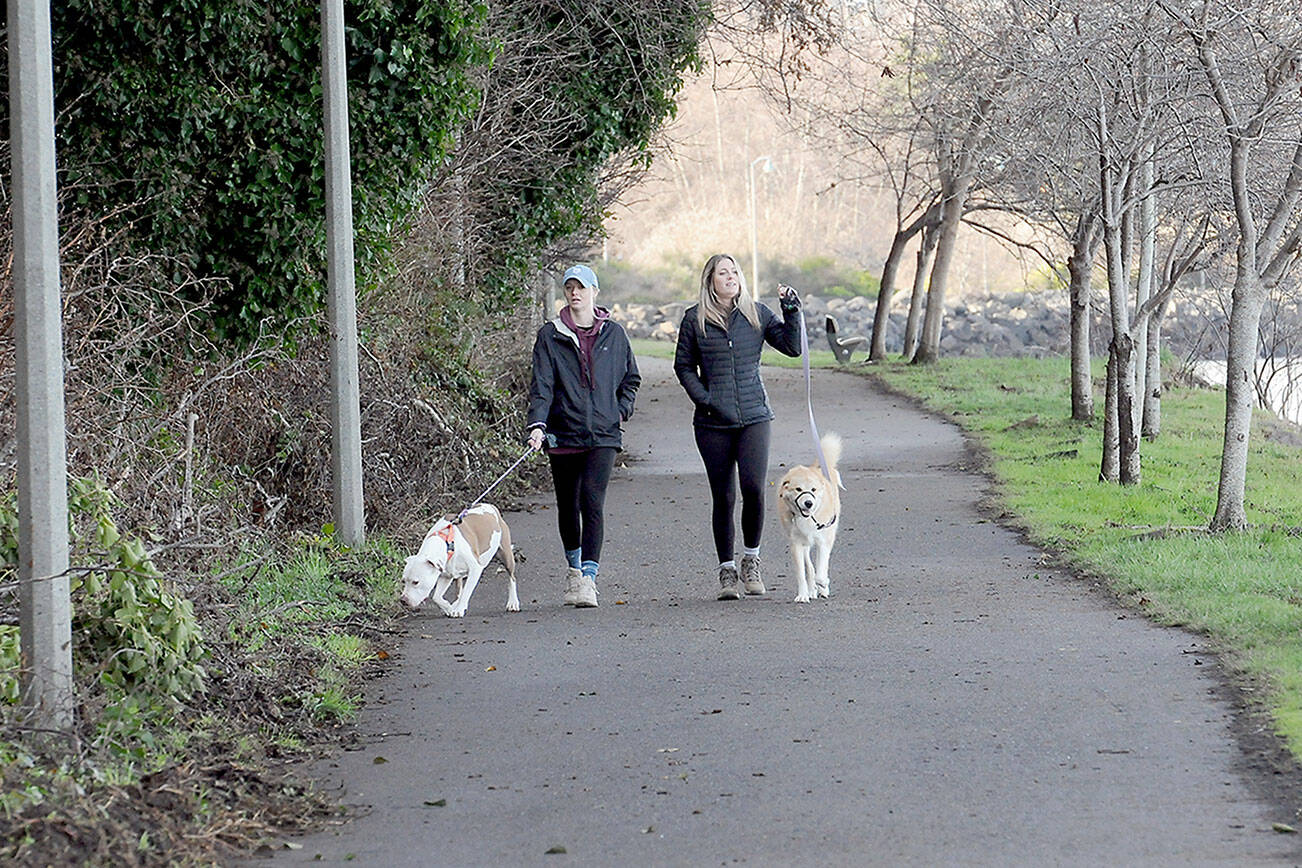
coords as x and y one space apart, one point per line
564 322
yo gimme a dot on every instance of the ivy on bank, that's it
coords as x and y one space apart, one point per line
197 123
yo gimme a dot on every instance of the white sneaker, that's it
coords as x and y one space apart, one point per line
572 578
587 593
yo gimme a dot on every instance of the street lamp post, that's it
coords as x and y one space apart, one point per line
45 615
345 412
754 232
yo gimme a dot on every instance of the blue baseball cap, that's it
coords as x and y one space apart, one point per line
583 275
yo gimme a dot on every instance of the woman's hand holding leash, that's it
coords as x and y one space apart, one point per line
536 439
788 295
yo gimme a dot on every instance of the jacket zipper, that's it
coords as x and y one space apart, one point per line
572 340
736 386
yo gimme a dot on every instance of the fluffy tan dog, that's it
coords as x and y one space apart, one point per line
809 505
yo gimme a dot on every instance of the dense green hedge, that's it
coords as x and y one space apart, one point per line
201 120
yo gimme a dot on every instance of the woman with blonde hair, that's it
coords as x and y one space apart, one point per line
717 361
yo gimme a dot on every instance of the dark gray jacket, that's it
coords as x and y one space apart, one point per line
720 370
575 415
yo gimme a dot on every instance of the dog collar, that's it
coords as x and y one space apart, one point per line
830 522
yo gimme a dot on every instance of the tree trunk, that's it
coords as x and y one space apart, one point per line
1144 283
1152 424
951 216
1080 266
1121 351
1127 424
1240 395
912 327
882 316
1110 467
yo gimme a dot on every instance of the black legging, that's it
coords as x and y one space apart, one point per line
581 479
730 453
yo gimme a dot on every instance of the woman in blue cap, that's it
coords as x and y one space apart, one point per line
585 380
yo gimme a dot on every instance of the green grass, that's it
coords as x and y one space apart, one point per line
316 596
1242 590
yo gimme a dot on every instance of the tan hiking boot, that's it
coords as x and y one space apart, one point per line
729 584
750 575
572 578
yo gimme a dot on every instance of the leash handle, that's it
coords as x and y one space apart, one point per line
809 397
527 452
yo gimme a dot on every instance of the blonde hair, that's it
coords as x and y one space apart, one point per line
710 309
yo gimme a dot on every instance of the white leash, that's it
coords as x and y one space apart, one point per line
529 451
809 397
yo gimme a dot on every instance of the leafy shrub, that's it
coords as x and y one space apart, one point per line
135 634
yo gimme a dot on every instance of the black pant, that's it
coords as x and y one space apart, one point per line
731 454
581 479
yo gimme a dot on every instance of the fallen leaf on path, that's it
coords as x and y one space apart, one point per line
379 761
1283 828
555 851
491 669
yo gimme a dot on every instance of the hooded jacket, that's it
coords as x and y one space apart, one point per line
573 414
720 369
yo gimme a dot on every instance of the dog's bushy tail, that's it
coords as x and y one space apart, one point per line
831 444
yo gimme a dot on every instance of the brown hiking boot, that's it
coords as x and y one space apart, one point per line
750 575
729 584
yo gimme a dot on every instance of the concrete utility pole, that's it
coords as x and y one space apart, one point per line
345 413
45 618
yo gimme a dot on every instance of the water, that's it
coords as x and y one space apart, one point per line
1280 379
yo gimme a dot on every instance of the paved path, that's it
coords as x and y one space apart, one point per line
953 703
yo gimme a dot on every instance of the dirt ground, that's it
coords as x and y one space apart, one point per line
958 700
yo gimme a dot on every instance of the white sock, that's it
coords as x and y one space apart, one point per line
732 564
753 552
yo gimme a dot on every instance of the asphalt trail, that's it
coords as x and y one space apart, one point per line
955 702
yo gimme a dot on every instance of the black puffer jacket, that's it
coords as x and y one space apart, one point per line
720 370
575 415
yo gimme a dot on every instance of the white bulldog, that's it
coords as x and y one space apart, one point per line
460 550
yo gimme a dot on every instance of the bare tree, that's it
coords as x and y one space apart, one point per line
1251 59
